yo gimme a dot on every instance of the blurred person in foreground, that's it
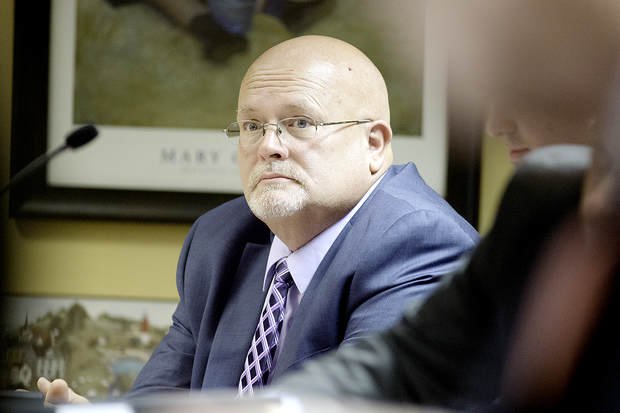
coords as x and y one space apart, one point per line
331 240
565 352
496 333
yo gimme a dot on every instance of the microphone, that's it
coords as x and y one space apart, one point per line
79 137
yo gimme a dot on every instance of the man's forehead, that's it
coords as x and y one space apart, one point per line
284 70
289 108
288 90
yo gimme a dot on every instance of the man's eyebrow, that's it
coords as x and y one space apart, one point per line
299 109
245 109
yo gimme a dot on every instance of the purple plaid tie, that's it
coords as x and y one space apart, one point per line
259 361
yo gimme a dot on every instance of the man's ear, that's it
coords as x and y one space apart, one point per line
379 146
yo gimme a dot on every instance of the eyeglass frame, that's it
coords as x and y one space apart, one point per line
279 130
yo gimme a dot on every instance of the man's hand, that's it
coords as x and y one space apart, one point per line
58 392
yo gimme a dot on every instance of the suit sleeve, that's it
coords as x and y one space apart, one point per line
170 366
406 263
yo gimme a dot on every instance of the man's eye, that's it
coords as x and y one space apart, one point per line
251 126
300 123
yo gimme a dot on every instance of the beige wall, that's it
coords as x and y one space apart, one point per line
65 257
495 171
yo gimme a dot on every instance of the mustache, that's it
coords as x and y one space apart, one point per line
284 168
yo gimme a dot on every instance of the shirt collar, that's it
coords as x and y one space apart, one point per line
303 263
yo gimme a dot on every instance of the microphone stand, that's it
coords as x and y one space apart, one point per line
32 167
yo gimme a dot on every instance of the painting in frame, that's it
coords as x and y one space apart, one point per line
98 345
160 102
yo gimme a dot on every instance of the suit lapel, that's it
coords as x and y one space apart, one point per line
238 322
301 343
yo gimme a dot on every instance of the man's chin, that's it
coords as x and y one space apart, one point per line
273 212
274 206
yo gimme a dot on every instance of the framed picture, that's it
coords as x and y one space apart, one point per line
160 92
97 345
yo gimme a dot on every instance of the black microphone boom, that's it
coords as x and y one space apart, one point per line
75 139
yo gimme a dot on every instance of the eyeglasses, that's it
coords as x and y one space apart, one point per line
300 127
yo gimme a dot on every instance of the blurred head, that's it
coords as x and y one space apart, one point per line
524 125
290 173
542 68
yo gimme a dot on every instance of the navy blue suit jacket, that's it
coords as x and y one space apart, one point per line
393 250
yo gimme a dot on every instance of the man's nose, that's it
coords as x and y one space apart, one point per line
271 144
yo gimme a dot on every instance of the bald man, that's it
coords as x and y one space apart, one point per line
329 243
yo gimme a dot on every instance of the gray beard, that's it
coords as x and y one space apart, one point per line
275 202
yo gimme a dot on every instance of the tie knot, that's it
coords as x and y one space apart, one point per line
282 274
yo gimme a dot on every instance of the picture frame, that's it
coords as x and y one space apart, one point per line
98 345
34 132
